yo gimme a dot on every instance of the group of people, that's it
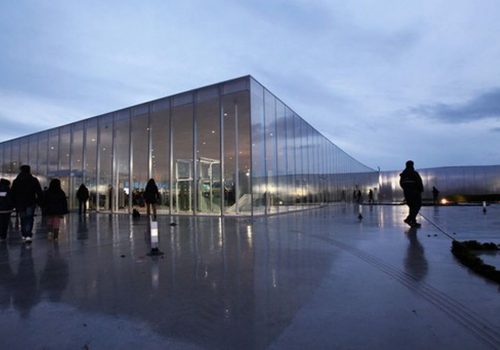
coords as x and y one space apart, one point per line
24 195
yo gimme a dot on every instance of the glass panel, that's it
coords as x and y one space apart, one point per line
258 148
33 154
121 163
43 141
90 168
208 154
64 155
6 165
160 152
76 162
271 194
236 112
290 198
281 180
105 187
23 155
15 157
140 155
53 161
182 157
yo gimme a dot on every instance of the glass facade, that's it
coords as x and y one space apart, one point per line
231 148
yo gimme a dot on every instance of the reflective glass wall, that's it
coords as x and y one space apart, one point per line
294 166
227 149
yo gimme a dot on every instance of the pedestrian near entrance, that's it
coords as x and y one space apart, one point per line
83 196
6 207
411 183
26 194
151 197
56 206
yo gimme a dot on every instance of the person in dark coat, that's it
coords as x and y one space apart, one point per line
83 196
26 194
411 183
151 197
6 207
56 205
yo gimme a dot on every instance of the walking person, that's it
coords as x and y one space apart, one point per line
411 183
26 194
151 197
56 205
6 207
83 196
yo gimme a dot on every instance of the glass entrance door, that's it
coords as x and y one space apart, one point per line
209 189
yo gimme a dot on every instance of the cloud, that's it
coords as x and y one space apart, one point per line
495 129
483 106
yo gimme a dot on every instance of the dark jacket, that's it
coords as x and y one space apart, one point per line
26 191
151 193
82 194
411 183
6 203
55 202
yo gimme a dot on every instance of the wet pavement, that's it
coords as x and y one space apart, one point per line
319 279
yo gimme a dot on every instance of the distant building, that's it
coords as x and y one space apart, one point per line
231 148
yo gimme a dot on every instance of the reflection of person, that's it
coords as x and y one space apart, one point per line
83 196
25 290
151 196
54 277
415 261
5 207
82 231
435 195
411 182
26 192
56 206
7 279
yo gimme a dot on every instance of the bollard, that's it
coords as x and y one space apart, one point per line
484 207
153 231
360 212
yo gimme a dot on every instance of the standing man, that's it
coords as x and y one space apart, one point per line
83 196
411 183
26 193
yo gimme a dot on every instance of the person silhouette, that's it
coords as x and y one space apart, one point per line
411 183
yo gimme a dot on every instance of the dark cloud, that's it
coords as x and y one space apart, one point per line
496 129
486 105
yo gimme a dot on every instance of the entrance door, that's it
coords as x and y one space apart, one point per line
182 186
209 189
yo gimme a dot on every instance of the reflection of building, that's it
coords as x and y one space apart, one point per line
450 181
231 148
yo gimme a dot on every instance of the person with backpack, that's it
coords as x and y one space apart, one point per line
56 206
26 194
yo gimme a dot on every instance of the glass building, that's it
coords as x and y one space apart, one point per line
231 148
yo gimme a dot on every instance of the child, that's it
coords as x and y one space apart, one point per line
6 206
56 206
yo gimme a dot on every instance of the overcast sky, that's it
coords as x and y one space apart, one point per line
386 81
